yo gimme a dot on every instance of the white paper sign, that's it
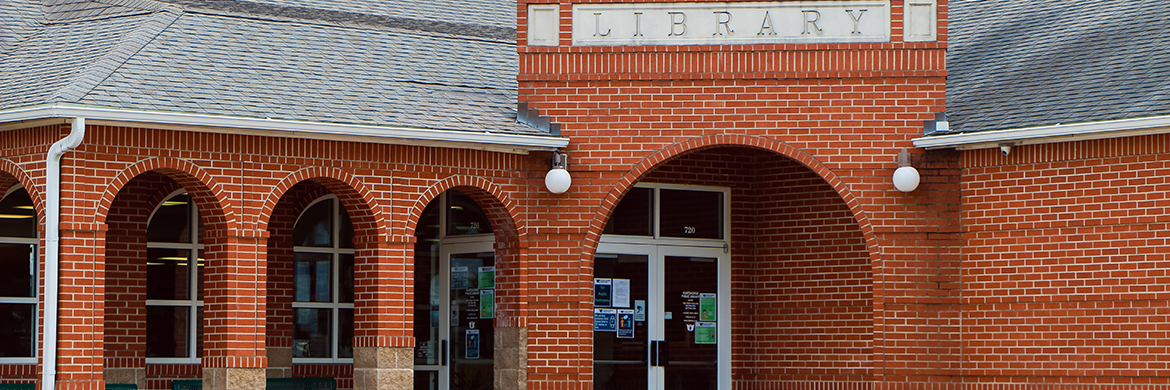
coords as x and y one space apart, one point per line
621 293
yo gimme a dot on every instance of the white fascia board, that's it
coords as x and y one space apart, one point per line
511 143
1048 134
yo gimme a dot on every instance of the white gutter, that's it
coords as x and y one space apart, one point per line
513 143
1048 134
52 248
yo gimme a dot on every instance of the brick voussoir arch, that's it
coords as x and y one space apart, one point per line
190 176
34 192
349 190
508 205
611 199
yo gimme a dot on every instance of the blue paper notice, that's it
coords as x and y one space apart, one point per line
625 327
605 320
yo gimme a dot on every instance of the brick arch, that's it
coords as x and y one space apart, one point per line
20 176
203 188
667 154
365 211
501 210
495 203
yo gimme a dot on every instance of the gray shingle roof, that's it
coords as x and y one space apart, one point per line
62 10
1015 64
18 19
222 62
480 12
60 60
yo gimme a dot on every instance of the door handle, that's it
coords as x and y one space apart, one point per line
653 353
659 353
443 353
663 353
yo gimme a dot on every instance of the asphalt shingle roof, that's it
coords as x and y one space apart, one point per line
475 12
18 18
1016 64
220 61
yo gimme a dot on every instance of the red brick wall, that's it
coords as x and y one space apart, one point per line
1065 263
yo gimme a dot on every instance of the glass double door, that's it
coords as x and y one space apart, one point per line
661 318
455 317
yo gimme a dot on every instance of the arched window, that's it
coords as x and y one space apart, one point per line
174 281
323 283
18 281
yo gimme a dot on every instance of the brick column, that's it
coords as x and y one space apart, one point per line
917 283
511 331
125 301
383 342
81 307
280 293
559 332
234 312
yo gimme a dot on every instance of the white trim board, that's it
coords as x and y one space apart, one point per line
1048 134
60 112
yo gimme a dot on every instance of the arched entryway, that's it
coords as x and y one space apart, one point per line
750 269
157 263
454 295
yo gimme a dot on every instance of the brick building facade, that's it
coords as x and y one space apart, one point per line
341 190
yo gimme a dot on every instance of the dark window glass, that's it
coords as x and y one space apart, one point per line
17 271
199 276
345 333
464 216
345 239
346 279
199 333
166 331
172 221
623 360
17 216
634 215
311 282
426 380
315 227
691 214
167 273
16 333
691 365
428 224
426 287
311 333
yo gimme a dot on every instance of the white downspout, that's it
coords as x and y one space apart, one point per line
52 250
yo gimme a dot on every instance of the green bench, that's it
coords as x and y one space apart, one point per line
272 384
18 386
121 386
193 384
301 384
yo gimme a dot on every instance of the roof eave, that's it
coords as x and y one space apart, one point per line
510 143
1048 134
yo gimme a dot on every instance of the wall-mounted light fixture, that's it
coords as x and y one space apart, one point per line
558 180
905 177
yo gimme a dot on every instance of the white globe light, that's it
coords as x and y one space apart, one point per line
557 181
906 179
